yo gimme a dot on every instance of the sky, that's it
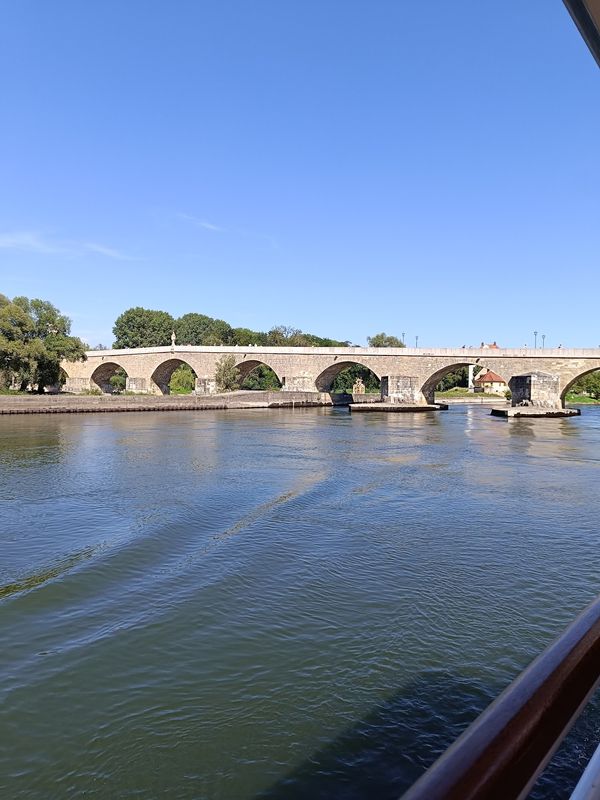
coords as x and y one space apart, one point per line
340 166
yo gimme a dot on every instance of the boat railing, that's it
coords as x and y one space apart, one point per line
504 751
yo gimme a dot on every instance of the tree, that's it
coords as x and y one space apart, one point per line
198 329
220 332
383 340
118 381
285 336
246 337
588 384
34 338
140 327
261 379
345 380
227 375
320 341
593 385
458 377
183 380
143 327
16 333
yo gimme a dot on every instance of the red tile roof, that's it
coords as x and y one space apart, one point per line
489 377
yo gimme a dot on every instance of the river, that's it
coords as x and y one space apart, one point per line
279 604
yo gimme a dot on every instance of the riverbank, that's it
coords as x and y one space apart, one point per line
82 404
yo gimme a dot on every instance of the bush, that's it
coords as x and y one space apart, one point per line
183 380
118 381
227 375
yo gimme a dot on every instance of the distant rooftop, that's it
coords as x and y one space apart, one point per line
489 377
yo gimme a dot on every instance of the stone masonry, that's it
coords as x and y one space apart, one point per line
408 375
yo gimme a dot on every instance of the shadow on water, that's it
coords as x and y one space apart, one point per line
42 577
384 753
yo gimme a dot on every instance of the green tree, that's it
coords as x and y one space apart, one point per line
227 375
118 381
262 378
16 332
183 380
193 329
246 337
320 341
198 329
384 340
285 336
345 380
143 327
457 377
34 338
589 384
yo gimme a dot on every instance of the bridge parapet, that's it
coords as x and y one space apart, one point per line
411 373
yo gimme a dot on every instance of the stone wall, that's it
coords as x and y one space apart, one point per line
537 389
411 374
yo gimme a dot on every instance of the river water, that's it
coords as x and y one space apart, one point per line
279 604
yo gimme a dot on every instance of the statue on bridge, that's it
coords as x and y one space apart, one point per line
173 338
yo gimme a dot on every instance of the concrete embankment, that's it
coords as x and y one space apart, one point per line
534 411
473 400
80 404
395 408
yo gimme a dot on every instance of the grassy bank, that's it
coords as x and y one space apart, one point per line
582 399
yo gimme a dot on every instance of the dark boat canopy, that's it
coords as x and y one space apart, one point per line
586 15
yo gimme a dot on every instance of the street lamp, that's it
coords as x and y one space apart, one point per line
543 340
535 339
416 341
403 340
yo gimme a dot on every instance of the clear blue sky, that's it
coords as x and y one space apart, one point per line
340 166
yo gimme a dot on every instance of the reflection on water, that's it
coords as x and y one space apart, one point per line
279 604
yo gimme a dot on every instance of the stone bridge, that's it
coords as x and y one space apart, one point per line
407 375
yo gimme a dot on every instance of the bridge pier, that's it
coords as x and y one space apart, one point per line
205 386
405 389
298 383
540 389
137 385
76 385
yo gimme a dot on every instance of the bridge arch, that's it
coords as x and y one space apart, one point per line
429 387
569 384
248 369
324 381
100 377
161 376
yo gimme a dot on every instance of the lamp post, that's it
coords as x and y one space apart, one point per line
535 333
403 340
543 340
416 341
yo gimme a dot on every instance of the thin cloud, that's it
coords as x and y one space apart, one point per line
36 242
202 223
209 226
29 242
109 252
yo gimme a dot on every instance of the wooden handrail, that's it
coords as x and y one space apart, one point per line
500 756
